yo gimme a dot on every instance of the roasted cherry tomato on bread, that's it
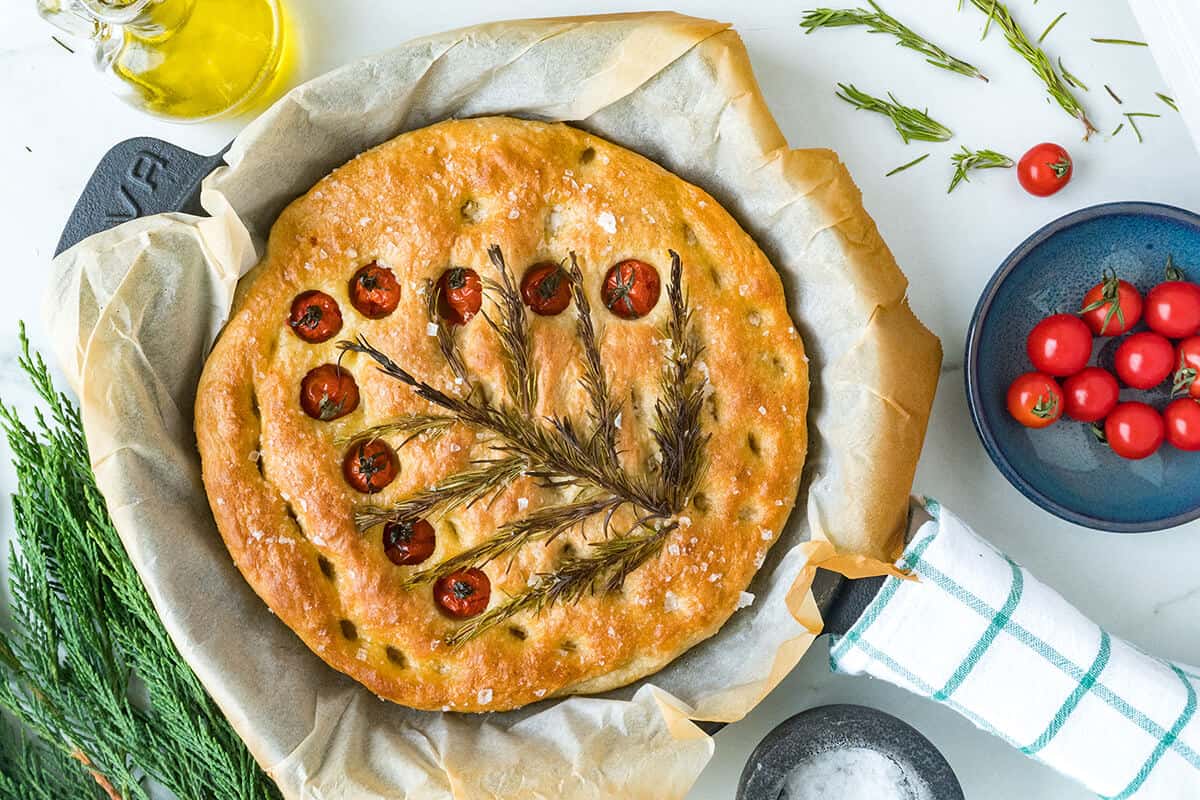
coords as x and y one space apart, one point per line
1182 420
328 392
369 465
463 594
315 317
408 542
1111 307
1035 400
1144 360
1134 430
374 291
1187 367
1059 345
546 289
1045 169
1173 307
631 289
460 295
1090 394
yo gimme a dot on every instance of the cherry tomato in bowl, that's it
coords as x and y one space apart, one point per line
1045 169
1144 360
1059 345
1134 430
1111 307
1187 367
1182 420
1173 308
1089 395
1035 400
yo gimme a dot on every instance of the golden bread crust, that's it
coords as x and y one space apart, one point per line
418 204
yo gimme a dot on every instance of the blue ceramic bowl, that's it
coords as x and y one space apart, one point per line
1063 468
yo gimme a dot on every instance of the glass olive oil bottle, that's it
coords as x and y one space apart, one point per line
186 59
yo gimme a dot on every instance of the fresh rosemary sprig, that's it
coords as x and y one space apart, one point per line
555 452
1058 89
879 21
543 525
912 124
968 160
603 569
84 631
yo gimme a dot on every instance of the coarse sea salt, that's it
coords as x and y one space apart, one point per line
607 221
851 773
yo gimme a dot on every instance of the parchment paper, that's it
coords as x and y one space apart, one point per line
134 311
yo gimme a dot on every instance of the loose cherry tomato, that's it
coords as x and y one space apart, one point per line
1187 367
1059 345
374 291
1045 169
546 289
460 295
370 465
1111 307
1134 430
1144 360
328 392
1182 419
463 594
408 541
1173 307
631 289
315 317
1035 400
1089 395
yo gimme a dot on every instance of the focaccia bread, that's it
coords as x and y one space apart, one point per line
507 412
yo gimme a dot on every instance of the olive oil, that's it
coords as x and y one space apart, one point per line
186 59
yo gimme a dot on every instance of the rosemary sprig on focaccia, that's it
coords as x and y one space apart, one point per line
558 451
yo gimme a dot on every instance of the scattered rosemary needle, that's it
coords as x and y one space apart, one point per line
1170 101
1113 95
912 124
1132 117
1071 79
1050 27
968 160
879 21
1117 130
1056 86
1129 42
903 167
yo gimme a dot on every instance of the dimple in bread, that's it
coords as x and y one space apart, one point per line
372 446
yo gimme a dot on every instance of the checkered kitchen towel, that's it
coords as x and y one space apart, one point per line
983 636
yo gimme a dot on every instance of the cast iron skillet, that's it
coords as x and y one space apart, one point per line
144 176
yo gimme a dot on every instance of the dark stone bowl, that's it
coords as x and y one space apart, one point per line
836 727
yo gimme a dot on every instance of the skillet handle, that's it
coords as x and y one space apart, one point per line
849 602
136 178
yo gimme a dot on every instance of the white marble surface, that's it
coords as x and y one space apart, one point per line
56 121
